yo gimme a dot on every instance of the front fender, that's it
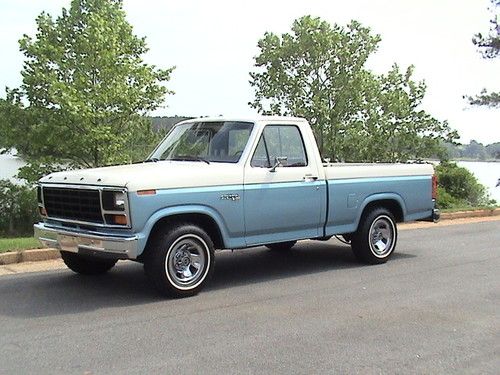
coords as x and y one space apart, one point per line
188 209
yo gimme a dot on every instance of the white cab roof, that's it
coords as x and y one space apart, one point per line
247 119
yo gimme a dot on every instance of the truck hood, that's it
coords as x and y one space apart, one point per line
155 175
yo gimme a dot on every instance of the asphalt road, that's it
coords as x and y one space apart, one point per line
434 308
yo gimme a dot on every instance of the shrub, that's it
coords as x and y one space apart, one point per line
18 209
459 188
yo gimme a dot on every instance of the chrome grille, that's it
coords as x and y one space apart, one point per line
73 204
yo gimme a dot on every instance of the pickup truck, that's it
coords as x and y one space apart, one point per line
216 183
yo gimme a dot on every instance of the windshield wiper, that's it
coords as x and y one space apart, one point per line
150 160
189 158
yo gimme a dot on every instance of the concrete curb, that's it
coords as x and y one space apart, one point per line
467 214
35 255
48 254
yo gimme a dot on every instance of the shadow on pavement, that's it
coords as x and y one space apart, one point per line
63 292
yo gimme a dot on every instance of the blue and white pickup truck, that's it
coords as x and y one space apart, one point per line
227 184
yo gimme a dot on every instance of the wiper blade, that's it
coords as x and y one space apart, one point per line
151 160
190 158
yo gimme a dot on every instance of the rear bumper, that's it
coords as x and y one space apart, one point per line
435 216
106 246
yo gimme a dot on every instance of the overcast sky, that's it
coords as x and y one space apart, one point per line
212 44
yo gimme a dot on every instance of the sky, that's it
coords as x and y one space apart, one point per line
213 43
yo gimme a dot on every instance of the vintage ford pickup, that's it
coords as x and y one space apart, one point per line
227 184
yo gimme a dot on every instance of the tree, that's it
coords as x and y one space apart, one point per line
85 89
489 47
318 72
390 126
315 72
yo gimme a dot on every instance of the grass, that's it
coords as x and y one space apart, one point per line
468 208
18 243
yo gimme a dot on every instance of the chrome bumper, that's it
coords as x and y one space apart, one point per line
434 218
87 244
436 215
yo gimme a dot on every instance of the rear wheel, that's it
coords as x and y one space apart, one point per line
376 238
180 260
87 265
281 246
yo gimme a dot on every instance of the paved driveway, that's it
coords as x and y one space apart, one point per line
434 308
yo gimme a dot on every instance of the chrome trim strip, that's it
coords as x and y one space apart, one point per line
102 207
87 223
82 186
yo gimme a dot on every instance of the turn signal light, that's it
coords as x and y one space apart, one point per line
119 219
434 186
146 192
42 211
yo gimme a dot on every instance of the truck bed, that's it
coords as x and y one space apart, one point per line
352 186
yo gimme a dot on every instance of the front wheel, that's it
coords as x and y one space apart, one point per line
87 265
180 260
376 238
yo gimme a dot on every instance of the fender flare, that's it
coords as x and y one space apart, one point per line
185 210
381 197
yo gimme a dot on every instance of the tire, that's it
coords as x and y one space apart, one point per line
87 265
281 246
180 261
376 237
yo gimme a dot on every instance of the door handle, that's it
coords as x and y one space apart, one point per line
310 178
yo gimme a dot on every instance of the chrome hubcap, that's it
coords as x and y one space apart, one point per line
186 261
381 236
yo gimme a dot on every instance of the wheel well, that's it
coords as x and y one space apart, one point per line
201 220
390 204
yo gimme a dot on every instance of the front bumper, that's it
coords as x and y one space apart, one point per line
106 246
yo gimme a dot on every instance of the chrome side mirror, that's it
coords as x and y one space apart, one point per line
279 161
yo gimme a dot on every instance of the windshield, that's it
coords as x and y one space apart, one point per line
222 141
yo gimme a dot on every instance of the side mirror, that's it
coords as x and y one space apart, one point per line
279 161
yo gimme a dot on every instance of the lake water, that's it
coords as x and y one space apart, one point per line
9 166
487 173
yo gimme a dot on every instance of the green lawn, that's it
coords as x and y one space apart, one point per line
19 243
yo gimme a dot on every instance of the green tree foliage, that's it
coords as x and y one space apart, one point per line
390 126
318 72
18 209
459 188
489 46
85 90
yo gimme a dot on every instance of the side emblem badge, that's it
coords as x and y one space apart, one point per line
230 197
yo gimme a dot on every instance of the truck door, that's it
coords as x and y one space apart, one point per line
282 203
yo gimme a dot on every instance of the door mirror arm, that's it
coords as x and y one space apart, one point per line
279 161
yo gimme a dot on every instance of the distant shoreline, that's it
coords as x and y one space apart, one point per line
477 160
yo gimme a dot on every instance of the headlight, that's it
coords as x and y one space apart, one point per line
113 200
120 201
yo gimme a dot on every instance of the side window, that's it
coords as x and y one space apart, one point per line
280 141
